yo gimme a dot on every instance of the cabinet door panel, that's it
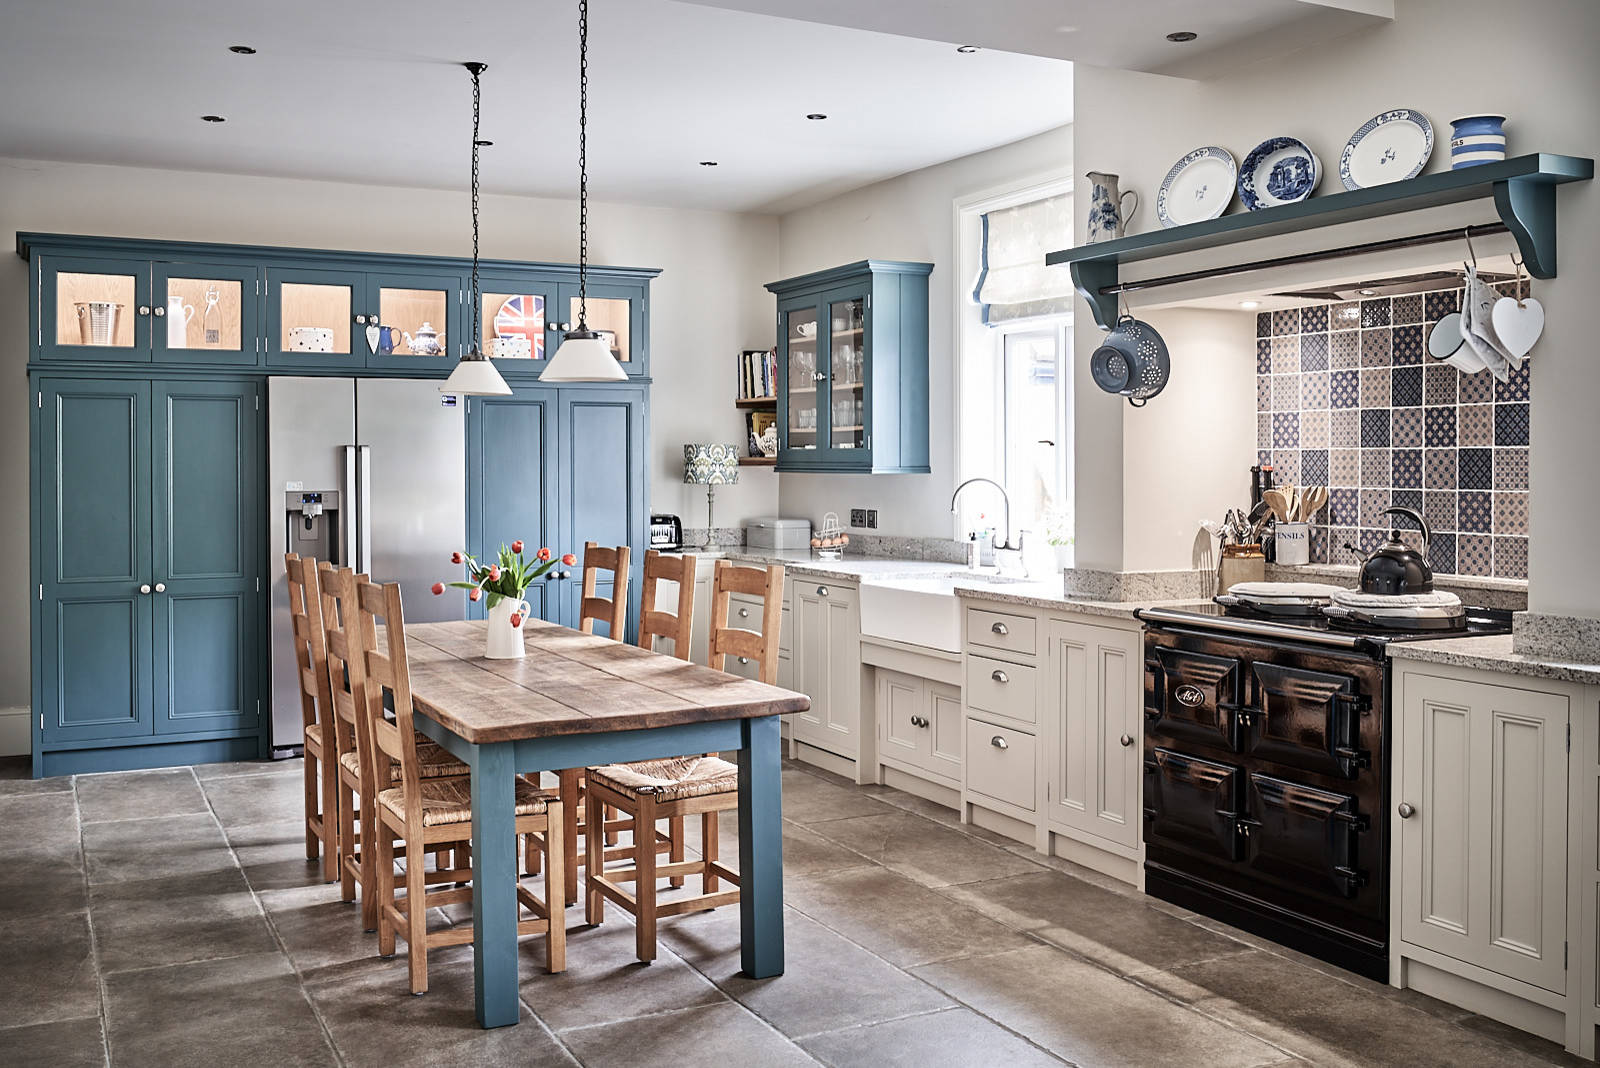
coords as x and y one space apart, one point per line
1095 684
311 318
207 556
511 494
900 710
94 495
1119 690
602 491
89 309
409 305
206 313
616 313
944 710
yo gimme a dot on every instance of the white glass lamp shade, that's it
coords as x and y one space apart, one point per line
583 356
710 465
475 376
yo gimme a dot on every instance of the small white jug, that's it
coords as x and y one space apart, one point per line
178 316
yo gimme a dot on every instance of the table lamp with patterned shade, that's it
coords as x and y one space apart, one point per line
710 466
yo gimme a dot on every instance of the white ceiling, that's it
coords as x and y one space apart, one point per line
372 91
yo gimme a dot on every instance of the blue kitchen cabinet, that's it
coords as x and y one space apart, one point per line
512 461
149 559
91 307
602 493
205 313
853 369
618 312
518 304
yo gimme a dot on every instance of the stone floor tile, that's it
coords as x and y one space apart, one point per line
41 828
239 800
273 855
828 982
293 768
951 1037
126 795
31 888
176 919
714 1035
1120 933
805 852
922 850
1089 1016
16 778
240 1011
319 930
61 1044
136 850
46 969
891 916
1541 1050
809 798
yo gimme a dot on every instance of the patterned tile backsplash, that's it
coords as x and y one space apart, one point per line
1347 397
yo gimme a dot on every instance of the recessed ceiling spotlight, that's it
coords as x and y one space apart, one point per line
1066 29
1182 36
708 163
966 50
1248 304
212 118
242 50
816 116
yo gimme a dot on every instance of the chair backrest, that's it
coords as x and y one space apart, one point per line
338 614
726 641
654 623
613 611
310 643
378 673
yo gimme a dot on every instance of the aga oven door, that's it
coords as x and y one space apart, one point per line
1192 697
1304 838
1318 721
1191 806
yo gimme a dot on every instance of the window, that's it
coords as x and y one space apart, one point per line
1033 422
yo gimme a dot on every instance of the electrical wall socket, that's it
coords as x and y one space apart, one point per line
872 517
858 517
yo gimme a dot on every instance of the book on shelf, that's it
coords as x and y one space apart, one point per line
758 374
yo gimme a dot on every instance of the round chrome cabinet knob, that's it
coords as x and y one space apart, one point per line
1406 811
1126 740
161 587
145 588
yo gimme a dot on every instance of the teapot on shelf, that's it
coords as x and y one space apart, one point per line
427 342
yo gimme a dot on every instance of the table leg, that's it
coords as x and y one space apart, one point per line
494 885
761 848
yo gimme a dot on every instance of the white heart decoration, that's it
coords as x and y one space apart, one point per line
372 338
1517 327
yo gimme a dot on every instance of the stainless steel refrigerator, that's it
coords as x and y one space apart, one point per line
370 474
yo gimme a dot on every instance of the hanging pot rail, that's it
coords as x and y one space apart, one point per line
1436 237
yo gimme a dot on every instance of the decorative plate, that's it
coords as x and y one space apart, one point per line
1390 147
523 316
1198 187
1280 170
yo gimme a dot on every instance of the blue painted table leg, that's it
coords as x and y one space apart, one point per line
761 849
494 878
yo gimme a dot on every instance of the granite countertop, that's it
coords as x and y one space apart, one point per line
849 569
1492 653
1048 595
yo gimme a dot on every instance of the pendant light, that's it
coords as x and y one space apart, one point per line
584 356
475 375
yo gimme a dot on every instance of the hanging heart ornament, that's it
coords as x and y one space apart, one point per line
1517 325
372 337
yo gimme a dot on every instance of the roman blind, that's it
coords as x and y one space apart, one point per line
1013 281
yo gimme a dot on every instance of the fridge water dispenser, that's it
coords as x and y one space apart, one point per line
313 524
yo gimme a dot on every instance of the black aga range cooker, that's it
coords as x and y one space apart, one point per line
1266 773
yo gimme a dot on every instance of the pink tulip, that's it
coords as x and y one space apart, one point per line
516 619
569 559
494 572
475 595
544 554
516 546
456 558
438 588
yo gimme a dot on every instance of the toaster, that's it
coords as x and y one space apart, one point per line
666 533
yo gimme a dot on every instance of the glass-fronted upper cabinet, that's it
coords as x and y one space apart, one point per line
94 309
616 313
311 317
205 313
318 318
413 321
517 321
853 368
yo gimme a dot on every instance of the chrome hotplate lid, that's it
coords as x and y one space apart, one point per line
1316 630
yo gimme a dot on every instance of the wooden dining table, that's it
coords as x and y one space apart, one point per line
577 700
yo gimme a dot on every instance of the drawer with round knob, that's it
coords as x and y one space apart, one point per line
1000 764
1009 690
1002 630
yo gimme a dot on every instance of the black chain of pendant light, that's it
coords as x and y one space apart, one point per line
477 70
583 165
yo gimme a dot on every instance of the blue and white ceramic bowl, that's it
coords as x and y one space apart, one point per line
1198 187
1390 147
1280 170
1476 139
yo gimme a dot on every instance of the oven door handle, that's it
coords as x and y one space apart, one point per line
1354 878
1152 665
1348 708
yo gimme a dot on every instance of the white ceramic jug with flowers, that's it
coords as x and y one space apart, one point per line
503 584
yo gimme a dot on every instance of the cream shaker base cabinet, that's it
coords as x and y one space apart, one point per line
827 666
919 726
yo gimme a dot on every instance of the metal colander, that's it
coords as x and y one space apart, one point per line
1131 361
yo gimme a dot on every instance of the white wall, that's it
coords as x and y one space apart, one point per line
906 218
706 305
1535 63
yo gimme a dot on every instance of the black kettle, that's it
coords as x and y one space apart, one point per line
1394 567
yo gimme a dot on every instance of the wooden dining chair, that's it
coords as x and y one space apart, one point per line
428 815
358 865
316 713
682 786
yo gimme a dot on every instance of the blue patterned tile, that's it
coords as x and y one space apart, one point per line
1264 430
1442 554
1344 389
1346 316
1405 428
1263 324
1511 513
1511 424
1406 387
1374 387
1285 393
1344 507
1344 428
1314 389
1474 554
1475 469
1263 355
1285 354
1375 312
1511 469
1319 545
1376 469
1439 509
1286 321
1515 388
1439 383
1476 389
1344 467
1408 468
1476 508
1374 428
1409 498
1313 352
1263 393
1476 424
1314 428
1439 468
1438 304
1314 320
1408 309
1314 467
1511 558
1286 466
1264 454
1407 346
1285 431
1440 426
1376 347
1373 501
1344 350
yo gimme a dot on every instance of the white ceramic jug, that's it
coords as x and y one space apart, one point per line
178 316
1107 219
505 641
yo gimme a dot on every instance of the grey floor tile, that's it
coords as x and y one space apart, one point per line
15 767
273 855
31 888
828 982
376 1022
177 919
124 795
136 850
809 798
1121 933
1540 1050
62 1044
16 778
1089 1016
952 1037
722 1034
805 852
47 969
891 916
319 930
923 851
239 1011
293 768
240 800
39 828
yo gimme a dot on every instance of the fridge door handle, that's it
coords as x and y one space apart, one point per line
348 515
364 507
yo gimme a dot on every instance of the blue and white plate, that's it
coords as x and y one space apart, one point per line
1388 148
1198 187
1280 170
